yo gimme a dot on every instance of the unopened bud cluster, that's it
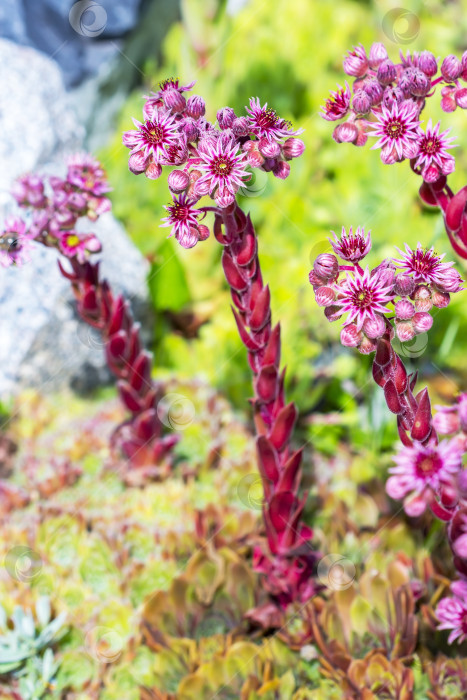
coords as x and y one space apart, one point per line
397 295
214 159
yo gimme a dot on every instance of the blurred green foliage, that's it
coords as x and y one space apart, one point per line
290 55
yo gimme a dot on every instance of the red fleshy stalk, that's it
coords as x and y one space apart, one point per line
140 437
288 561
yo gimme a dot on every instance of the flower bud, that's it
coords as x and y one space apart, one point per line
188 238
226 117
464 66
367 346
374 328
189 129
449 281
389 155
361 102
392 96
325 296
405 331
178 181
195 107
420 84
374 91
316 280
241 126
377 54
422 322
326 266
254 157
386 72
137 163
422 298
448 99
269 148
404 285
446 422
77 202
387 276
333 313
461 97
451 68
462 411
356 63
351 337
440 299
281 170
174 100
428 64
293 148
345 133
224 198
153 171
203 232
405 81
448 496
201 189
404 309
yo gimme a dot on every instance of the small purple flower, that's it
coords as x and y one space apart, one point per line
264 122
433 157
183 218
153 137
362 296
420 471
452 613
397 130
224 169
426 266
351 246
337 105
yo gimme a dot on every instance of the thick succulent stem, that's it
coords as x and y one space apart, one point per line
453 208
414 420
140 437
288 564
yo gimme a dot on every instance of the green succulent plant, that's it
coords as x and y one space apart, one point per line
26 655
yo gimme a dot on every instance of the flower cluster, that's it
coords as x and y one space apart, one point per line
206 158
425 475
54 215
452 612
400 292
387 99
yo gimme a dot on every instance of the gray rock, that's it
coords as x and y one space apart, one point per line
42 342
79 34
